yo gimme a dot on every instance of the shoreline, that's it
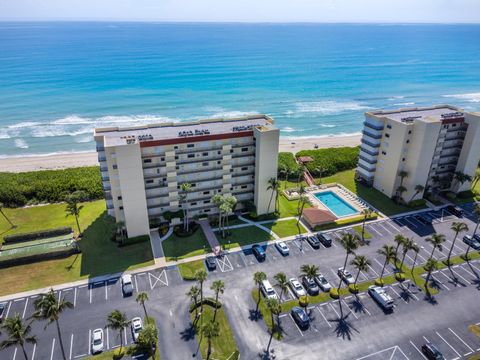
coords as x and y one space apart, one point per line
18 164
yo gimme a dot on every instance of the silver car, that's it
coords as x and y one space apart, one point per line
97 341
296 287
323 283
346 276
137 326
282 248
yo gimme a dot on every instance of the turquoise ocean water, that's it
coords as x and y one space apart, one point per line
60 80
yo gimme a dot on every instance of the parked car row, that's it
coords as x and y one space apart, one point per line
98 339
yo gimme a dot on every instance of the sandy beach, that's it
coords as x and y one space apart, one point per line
62 161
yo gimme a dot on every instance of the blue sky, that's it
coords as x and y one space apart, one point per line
403 11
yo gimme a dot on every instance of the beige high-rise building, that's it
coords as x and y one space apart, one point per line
430 144
144 167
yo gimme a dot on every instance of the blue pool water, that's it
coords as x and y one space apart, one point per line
335 203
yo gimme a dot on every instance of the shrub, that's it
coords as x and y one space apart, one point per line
379 282
400 276
303 301
417 203
37 235
334 293
49 186
287 159
178 230
344 222
331 160
169 215
353 288
206 301
135 240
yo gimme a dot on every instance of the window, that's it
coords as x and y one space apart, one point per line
175 147
244 149
194 203
205 154
244 186
206 201
409 132
176 157
193 185
231 170
178 187
177 167
147 161
114 167
231 151
206 210
384 153
149 181
219 152
389 126
191 156
244 168
453 125
205 163
403 159
162 159
219 162
158 171
119 197
408 141
387 135
206 192
164 179
445 126
121 207
190 145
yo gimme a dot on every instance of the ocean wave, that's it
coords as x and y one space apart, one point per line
328 125
306 137
233 114
84 139
328 107
288 129
393 98
404 104
21 144
25 124
470 97
9 156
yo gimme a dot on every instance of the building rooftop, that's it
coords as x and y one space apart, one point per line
427 114
129 135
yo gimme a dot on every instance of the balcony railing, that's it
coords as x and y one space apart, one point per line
373 136
370 161
374 145
364 167
365 150
373 126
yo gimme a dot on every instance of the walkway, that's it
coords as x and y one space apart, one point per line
210 235
156 242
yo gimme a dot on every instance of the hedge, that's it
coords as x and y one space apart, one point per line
21 237
287 160
40 255
331 160
135 240
344 222
206 301
49 186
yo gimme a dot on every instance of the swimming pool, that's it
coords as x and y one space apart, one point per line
335 204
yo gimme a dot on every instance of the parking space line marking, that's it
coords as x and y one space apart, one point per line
18 299
330 303
457 274
300 331
410 222
396 229
391 288
136 283
242 256
291 293
386 271
349 309
459 338
372 228
53 348
125 333
88 342
71 346
411 293
90 293
324 318
381 351
467 271
25 309
75 298
376 274
15 354
106 290
441 337
441 272
33 351
418 350
381 224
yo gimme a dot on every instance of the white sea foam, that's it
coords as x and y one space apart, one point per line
233 114
306 137
21 144
4 135
328 107
404 104
399 97
288 129
470 97
72 120
84 139
328 125
21 125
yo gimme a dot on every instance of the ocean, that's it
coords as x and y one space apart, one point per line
60 80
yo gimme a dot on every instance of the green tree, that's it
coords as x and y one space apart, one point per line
201 276
218 287
258 278
418 189
350 243
5 216
476 211
416 249
117 321
402 174
476 178
361 263
185 188
141 298
210 330
406 247
461 178
282 283
148 338
275 310
218 200
457 227
319 171
274 187
399 240
193 294
400 190
18 334
48 308
310 271
120 231
303 201
366 214
437 241
388 252
429 267
73 208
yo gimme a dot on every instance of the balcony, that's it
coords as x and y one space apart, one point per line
366 174
104 169
373 144
367 158
198 160
367 167
373 136
368 150
371 125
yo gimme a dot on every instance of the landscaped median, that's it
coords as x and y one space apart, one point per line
188 269
284 228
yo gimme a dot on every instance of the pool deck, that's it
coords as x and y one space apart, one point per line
340 193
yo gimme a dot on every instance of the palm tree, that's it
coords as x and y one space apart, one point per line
73 208
218 200
117 321
282 283
429 267
274 186
388 252
461 178
399 239
148 338
319 170
230 202
350 243
457 227
186 188
201 276
120 229
437 241
418 189
416 250
193 294
210 330
400 190
310 271
275 309
407 246
142 297
300 173
303 201
218 287
47 307
402 174
366 214
5 216
476 211
18 334
258 278
361 263
476 177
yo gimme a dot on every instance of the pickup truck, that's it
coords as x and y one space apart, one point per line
381 297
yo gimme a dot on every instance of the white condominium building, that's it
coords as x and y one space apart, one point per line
427 144
144 167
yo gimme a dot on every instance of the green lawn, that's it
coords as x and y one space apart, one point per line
187 270
99 254
176 247
286 228
473 195
224 346
243 236
289 208
358 230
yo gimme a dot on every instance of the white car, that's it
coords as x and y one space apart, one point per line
381 297
322 282
282 248
346 276
127 286
296 287
137 326
97 341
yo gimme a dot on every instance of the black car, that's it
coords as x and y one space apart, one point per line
2 311
431 352
211 263
313 241
310 285
455 210
325 239
300 316
259 252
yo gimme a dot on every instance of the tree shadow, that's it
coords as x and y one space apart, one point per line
358 306
473 270
454 280
188 333
255 315
343 327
